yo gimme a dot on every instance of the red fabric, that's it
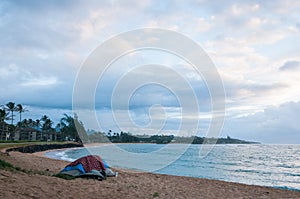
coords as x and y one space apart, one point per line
89 163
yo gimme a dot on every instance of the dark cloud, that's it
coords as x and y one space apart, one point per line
290 66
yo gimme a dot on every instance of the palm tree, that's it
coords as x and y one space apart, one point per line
68 126
109 133
43 119
58 127
37 123
67 120
30 122
3 115
47 125
24 123
10 106
3 128
20 109
71 127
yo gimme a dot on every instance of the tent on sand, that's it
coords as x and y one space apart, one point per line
89 166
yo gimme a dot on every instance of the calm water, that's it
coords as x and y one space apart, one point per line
267 165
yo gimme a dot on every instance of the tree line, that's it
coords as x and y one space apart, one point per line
66 127
69 128
124 137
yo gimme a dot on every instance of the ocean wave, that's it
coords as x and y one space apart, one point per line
286 166
293 174
259 165
253 171
60 155
286 188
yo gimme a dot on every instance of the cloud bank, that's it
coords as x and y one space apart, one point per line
254 45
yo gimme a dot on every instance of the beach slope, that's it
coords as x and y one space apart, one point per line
39 183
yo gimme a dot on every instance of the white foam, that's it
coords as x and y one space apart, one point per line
60 155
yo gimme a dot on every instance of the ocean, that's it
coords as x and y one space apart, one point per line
255 164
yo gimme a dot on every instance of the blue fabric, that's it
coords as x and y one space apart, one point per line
77 167
105 164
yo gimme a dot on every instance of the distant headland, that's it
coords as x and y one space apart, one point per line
70 128
124 137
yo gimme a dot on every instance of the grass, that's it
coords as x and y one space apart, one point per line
5 165
10 145
17 141
155 194
13 144
64 176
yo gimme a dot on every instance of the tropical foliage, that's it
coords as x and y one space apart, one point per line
66 129
72 129
10 106
3 115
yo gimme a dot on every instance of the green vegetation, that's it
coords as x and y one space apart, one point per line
155 194
36 146
72 129
5 165
19 141
124 137
64 176
39 129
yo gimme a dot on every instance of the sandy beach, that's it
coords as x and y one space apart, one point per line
41 184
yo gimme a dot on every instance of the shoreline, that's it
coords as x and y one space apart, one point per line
127 185
43 154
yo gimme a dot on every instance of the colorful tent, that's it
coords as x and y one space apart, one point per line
88 166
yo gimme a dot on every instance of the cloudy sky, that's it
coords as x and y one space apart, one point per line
253 44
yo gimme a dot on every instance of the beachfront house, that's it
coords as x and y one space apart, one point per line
35 134
28 133
50 136
4 132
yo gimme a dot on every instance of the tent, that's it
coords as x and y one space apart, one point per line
88 166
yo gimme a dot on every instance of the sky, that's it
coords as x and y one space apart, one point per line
254 46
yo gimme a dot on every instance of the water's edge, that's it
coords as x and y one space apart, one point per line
253 165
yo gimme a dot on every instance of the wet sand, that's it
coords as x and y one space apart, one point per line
40 184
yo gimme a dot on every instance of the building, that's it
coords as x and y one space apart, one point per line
4 132
28 133
50 136
35 134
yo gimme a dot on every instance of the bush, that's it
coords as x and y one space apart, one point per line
5 165
156 194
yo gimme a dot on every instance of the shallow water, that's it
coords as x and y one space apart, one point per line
266 165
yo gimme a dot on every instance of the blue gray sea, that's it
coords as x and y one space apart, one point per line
256 164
